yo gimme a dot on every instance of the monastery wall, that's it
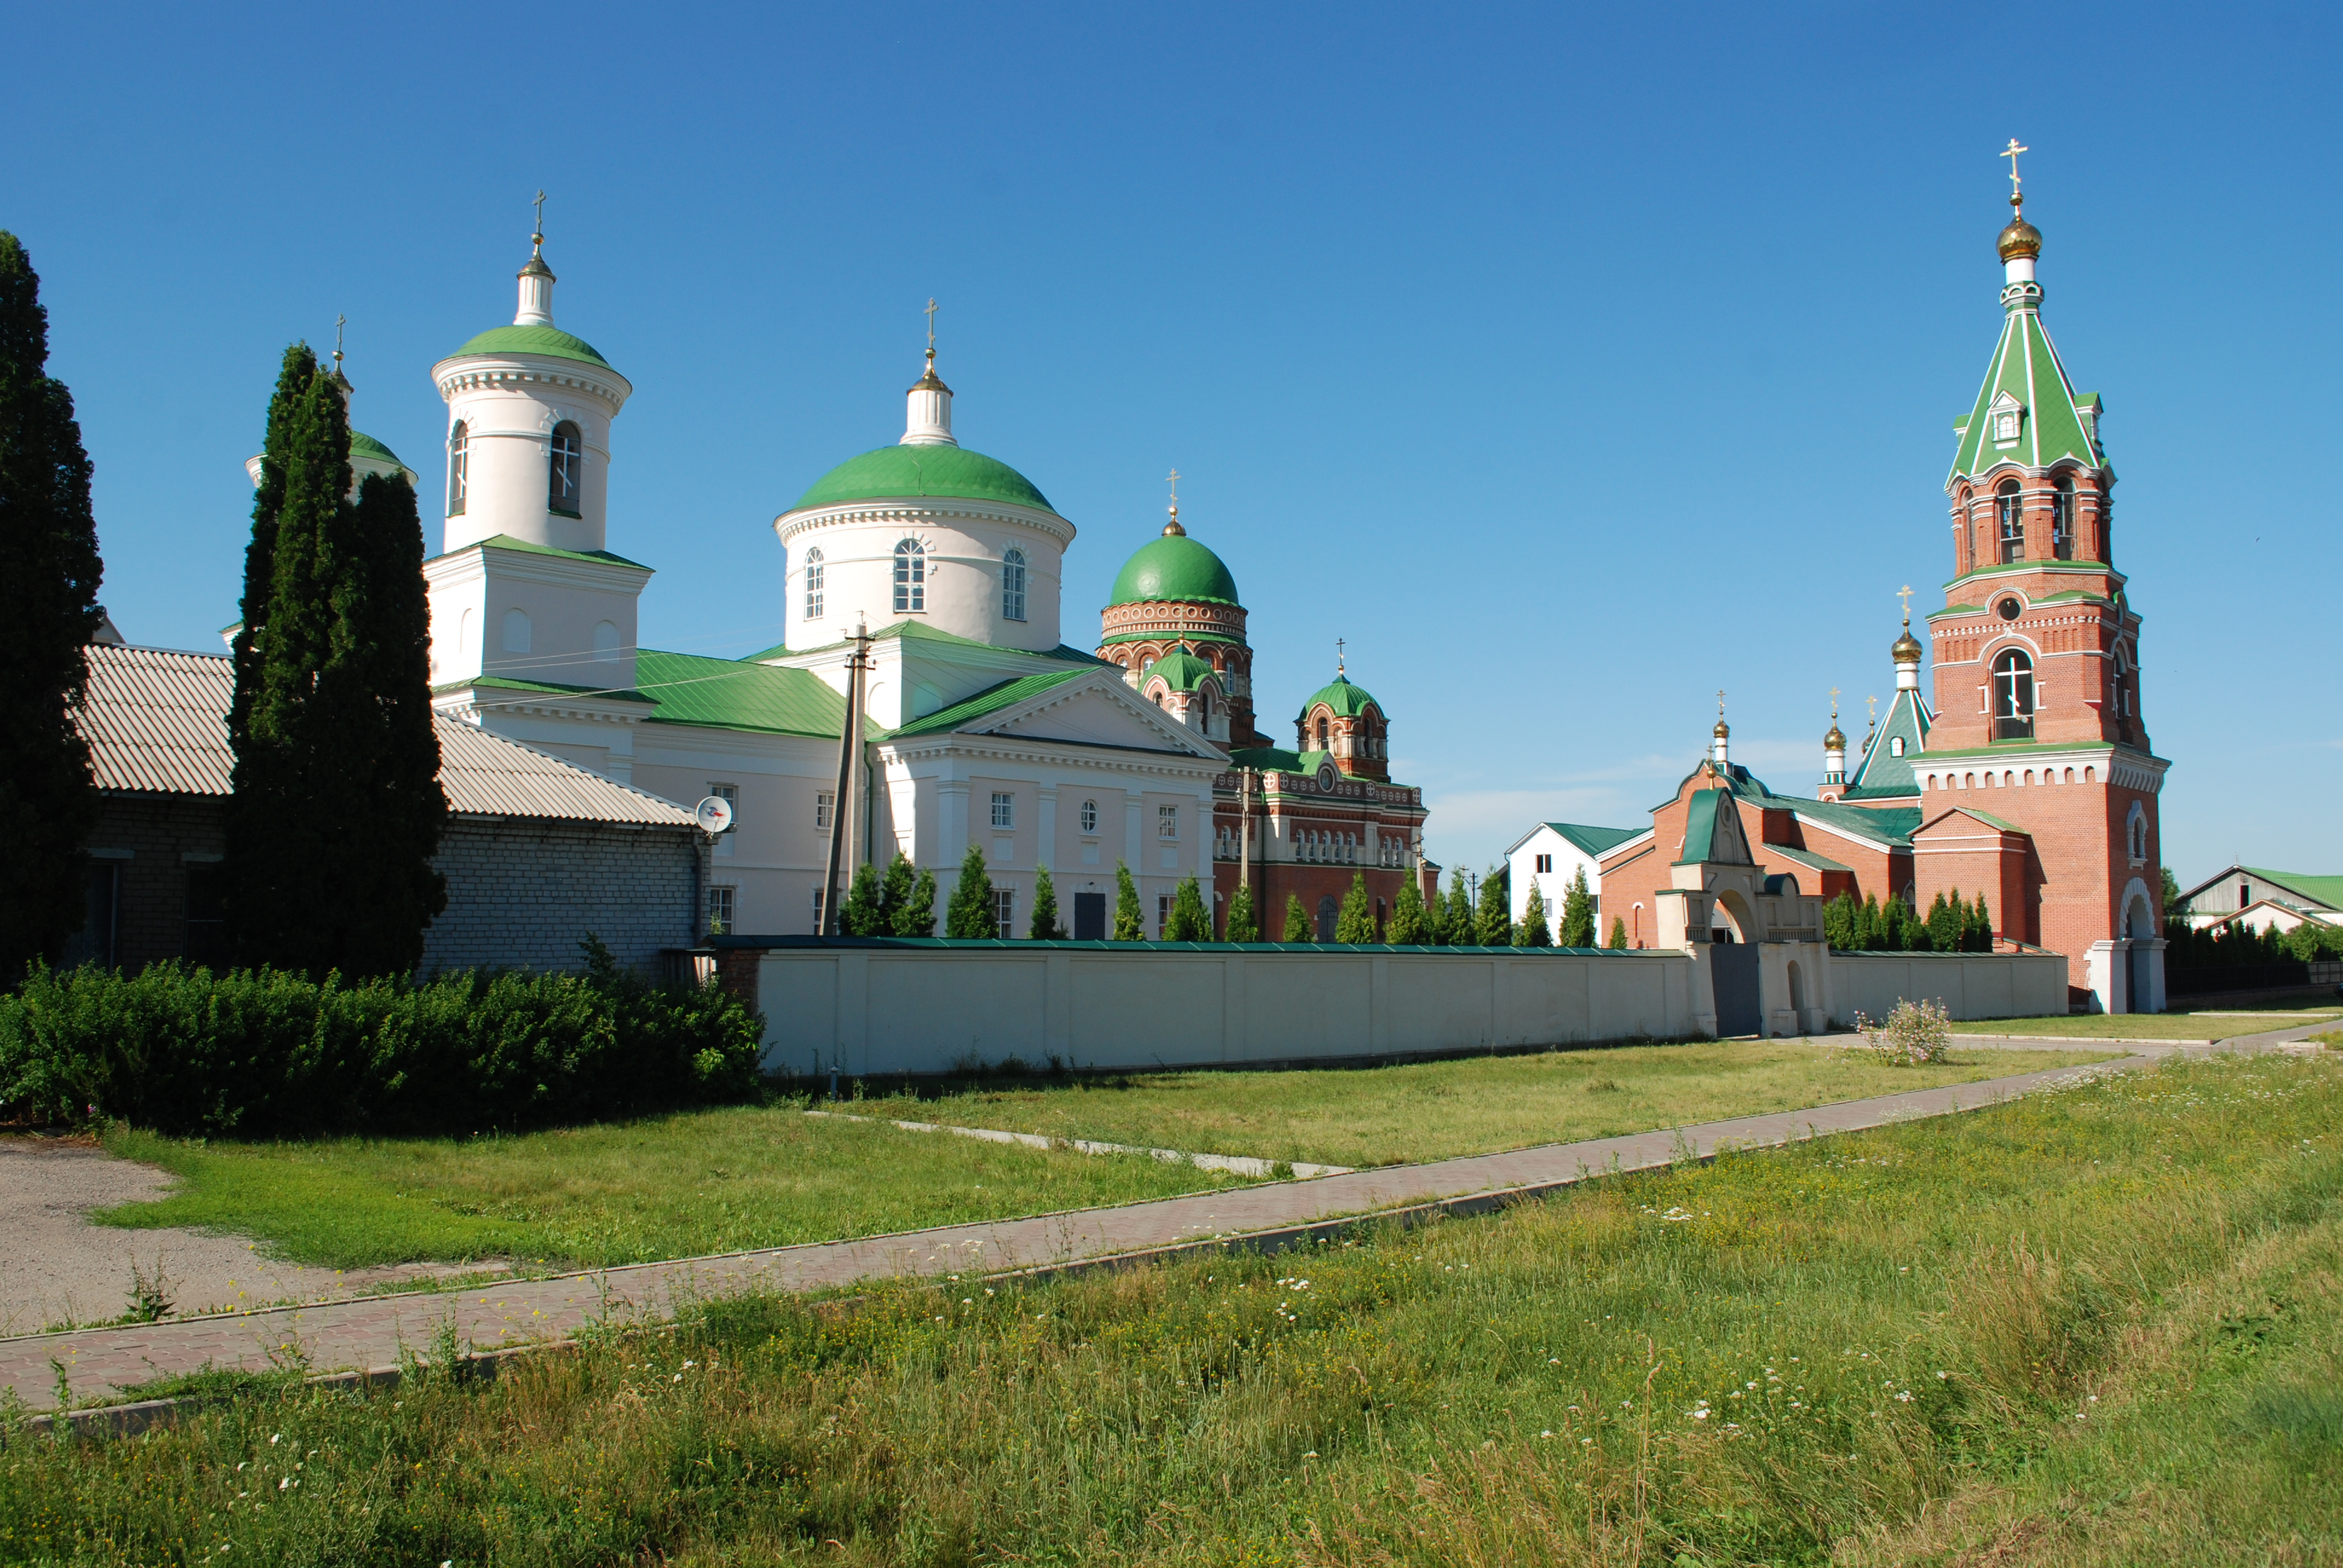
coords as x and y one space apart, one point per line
1969 985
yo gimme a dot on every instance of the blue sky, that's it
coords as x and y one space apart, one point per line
1570 364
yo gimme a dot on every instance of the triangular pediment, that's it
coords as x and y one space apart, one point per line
1096 711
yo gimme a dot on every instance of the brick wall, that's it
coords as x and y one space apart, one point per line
524 893
150 841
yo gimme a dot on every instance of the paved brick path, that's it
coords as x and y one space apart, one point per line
370 1334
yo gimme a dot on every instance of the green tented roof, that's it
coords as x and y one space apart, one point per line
735 694
1880 776
2327 891
1181 670
2051 425
1343 696
1173 567
1595 841
991 700
923 470
549 341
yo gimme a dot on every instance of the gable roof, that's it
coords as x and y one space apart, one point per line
1593 843
990 700
1714 830
2309 891
997 708
1881 826
1881 776
920 632
1997 823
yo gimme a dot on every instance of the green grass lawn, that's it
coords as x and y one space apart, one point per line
2223 1025
1434 1110
2097 1327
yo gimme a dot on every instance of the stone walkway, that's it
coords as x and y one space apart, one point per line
371 1334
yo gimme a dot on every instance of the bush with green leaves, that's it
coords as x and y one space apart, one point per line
1245 920
1912 1034
1354 922
1298 928
271 1053
970 915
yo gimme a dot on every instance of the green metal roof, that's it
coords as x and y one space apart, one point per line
1881 777
1181 670
1173 567
1888 827
735 694
920 632
1700 826
364 445
2051 423
1987 817
549 341
1345 699
991 700
1595 841
2327 891
1807 857
924 470
552 688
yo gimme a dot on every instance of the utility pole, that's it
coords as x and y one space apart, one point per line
844 817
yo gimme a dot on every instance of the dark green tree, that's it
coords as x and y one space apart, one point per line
916 918
1533 931
1456 922
1871 930
1245 920
1618 942
1492 923
1578 912
1189 922
337 808
1843 924
1045 927
1980 934
49 572
1355 921
2171 891
1130 924
865 914
1947 921
895 896
1297 921
970 914
1409 927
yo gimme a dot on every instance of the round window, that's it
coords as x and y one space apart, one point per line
2009 609
1326 777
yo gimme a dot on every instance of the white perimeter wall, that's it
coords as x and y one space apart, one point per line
1969 985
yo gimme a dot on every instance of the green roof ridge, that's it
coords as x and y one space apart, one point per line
991 700
548 341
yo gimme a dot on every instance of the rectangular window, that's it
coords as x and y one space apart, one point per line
1167 822
1004 911
813 579
1004 808
206 934
731 795
817 890
823 804
2245 895
1162 915
1545 862
719 912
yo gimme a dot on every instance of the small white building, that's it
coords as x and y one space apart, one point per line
2262 900
1550 854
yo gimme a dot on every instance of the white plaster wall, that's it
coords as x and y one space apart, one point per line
1521 874
511 426
1969 985
775 856
965 541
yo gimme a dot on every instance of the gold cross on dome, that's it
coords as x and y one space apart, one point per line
339 322
1338 656
538 235
1720 702
1872 704
1174 482
1905 593
931 314
1833 704
2011 152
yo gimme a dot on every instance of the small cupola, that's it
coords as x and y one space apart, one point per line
536 279
927 417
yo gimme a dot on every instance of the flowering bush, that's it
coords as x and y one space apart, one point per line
1913 1033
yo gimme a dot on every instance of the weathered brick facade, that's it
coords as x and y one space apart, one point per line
526 893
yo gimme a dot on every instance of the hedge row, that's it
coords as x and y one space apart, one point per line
263 1053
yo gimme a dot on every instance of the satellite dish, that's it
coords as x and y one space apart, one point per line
713 814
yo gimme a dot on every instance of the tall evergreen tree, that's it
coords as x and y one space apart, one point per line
1947 921
895 896
1533 931
1409 927
1870 931
916 918
1355 921
866 898
49 572
1578 912
1493 924
1044 926
1189 922
1130 924
1980 933
1618 942
1842 923
1245 920
1298 928
1456 922
970 914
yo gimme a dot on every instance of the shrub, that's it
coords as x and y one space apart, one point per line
1915 1032
266 1053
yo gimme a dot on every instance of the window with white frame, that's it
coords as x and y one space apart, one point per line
719 909
813 580
911 578
1090 816
565 470
1013 586
1162 915
2009 502
1004 808
1167 822
731 795
1004 911
459 467
824 805
817 891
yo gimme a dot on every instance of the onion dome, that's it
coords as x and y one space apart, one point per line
1173 567
1347 699
2021 237
1181 670
1834 740
1906 649
1721 731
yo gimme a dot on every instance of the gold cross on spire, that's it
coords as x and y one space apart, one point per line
2011 152
1338 658
537 235
1905 593
1833 704
1720 702
1174 482
339 322
1872 704
931 314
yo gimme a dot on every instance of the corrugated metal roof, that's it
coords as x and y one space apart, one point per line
156 722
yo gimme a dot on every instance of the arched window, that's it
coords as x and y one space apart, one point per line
1896 745
2135 833
1090 816
606 641
459 465
911 578
1013 586
1322 732
2062 519
2013 696
516 629
2011 507
565 471
813 584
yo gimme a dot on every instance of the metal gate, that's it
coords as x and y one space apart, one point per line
1090 917
1733 966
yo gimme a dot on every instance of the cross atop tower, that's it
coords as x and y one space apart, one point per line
537 233
931 314
1338 658
1905 593
339 322
1720 702
2017 195
1833 704
1174 482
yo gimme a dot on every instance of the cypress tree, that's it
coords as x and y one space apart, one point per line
1356 920
1189 922
864 915
895 896
1841 917
1130 924
916 918
1493 925
1533 931
1948 919
1456 914
1409 925
1045 927
1578 912
1245 920
970 912
1618 942
1297 921
49 572
1981 928
1870 933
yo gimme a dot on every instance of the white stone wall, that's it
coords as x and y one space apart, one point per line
1969 985
523 894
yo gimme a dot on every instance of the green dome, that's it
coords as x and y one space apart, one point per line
924 470
364 445
1346 699
549 341
1181 668
1173 567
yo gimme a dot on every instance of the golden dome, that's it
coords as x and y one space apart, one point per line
2021 237
1908 649
1834 741
1721 730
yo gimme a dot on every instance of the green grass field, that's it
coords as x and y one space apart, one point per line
720 1180
2098 1327
2223 1025
1435 1109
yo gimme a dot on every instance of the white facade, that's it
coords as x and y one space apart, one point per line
1545 858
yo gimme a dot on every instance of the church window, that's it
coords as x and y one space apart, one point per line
823 805
911 578
1167 822
2010 608
813 584
1013 586
566 472
516 629
2062 519
1321 733
2135 833
2013 696
606 641
1004 911
2010 505
1004 808
459 467
720 911
1896 745
1090 816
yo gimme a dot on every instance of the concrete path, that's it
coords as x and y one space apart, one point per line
371 1334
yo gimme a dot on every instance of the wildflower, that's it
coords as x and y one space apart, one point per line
1548 1432
1903 1396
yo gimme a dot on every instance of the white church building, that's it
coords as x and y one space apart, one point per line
980 724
